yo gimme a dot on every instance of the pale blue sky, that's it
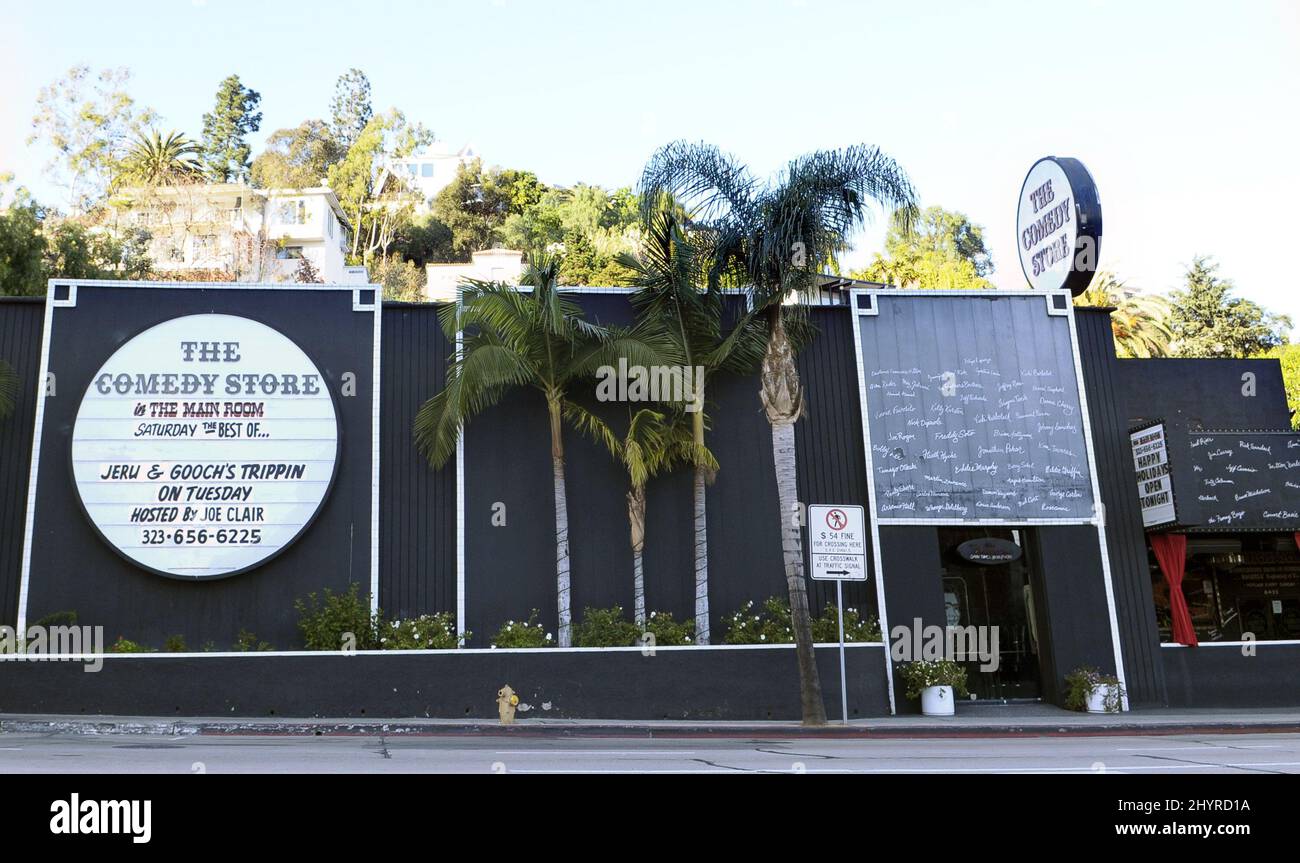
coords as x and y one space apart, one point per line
1185 112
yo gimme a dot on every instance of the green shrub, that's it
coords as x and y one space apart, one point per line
426 632
125 645
58 618
327 624
175 644
1081 681
826 628
771 625
605 627
668 632
523 633
246 642
923 674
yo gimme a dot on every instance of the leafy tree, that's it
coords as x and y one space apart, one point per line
1207 321
297 158
943 250
153 160
402 280
1289 356
8 390
673 294
75 252
536 339
1140 322
424 240
306 272
89 120
22 248
350 110
226 152
771 238
377 211
476 203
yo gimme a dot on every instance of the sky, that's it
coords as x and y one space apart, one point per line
1187 114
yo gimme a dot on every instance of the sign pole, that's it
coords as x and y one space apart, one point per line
837 547
844 688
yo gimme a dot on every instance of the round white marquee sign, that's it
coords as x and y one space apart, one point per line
205 446
1058 226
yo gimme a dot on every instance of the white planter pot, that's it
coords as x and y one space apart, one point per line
937 701
1098 696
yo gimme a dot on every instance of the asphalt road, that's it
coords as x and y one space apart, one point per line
1168 755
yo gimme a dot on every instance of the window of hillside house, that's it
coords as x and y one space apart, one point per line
1236 584
205 247
426 170
411 168
293 213
329 224
289 253
175 254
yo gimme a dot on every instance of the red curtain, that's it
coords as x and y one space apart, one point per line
1171 554
1297 539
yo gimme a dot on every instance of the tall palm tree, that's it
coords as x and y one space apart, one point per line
537 339
675 294
1140 322
772 237
8 389
153 160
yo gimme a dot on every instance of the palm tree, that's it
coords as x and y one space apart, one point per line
8 389
1140 322
653 444
153 161
514 337
771 237
674 294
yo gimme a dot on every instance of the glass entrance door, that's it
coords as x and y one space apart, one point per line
997 599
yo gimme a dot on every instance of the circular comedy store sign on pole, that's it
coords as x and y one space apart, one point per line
205 446
1058 226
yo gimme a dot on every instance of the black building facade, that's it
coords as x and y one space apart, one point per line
1069 600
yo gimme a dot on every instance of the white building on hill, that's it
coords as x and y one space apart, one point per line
235 232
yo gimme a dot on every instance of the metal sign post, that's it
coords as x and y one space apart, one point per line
837 545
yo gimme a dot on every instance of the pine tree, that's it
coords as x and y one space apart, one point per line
226 153
350 111
1206 321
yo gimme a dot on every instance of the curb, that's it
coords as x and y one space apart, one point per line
524 728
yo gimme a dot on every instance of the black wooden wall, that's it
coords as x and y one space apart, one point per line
512 567
417 509
22 320
1103 377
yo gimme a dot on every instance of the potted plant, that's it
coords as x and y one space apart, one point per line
1088 689
936 683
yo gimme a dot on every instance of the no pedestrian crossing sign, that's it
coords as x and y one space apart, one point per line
837 542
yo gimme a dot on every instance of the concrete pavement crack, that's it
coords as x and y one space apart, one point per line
1244 769
799 754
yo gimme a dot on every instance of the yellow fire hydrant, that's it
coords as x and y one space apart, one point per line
507 701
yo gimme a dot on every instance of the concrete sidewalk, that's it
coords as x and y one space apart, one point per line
971 721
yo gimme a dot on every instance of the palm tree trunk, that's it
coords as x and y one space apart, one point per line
701 559
782 398
636 520
562 581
